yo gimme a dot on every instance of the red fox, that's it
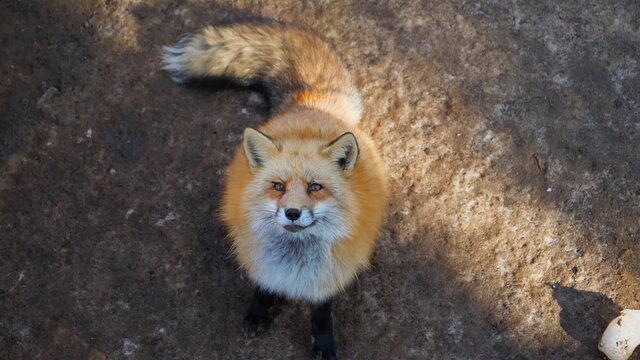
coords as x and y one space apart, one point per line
306 192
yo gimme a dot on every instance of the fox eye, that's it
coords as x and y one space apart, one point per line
314 187
278 186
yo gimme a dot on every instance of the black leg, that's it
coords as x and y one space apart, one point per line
324 345
258 317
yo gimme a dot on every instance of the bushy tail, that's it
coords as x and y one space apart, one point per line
295 60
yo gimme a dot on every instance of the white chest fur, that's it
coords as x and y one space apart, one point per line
297 267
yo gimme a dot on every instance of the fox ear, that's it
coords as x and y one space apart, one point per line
343 151
258 147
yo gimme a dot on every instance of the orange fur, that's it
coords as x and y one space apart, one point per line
325 106
368 183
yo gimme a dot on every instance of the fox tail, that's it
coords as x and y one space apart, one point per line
291 59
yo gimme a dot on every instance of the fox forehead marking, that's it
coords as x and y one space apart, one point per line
288 170
295 195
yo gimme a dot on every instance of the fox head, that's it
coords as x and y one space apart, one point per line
300 187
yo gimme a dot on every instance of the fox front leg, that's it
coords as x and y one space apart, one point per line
324 344
258 316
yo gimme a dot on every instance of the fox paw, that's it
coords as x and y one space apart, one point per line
324 347
253 326
318 354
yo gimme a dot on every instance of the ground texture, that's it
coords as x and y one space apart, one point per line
510 131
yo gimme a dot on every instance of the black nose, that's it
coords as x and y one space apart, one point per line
292 214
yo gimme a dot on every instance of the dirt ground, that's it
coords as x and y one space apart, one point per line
510 130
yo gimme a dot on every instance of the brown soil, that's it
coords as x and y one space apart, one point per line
510 131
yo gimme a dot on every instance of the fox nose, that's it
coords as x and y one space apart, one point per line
292 214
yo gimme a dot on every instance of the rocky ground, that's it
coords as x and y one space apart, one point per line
510 130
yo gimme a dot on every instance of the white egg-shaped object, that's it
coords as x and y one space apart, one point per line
621 336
